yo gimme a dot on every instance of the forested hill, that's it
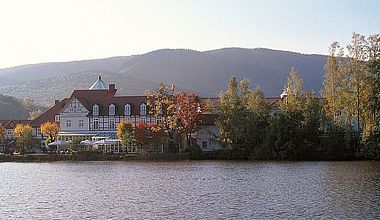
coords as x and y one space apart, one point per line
205 72
15 108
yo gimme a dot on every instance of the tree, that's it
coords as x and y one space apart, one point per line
351 86
75 144
243 117
294 131
257 119
50 129
24 136
332 85
157 136
162 104
34 114
3 133
231 116
141 134
188 114
125 133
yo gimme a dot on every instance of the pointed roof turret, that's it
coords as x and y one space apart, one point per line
98 85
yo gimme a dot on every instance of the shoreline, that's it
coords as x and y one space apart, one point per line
133 157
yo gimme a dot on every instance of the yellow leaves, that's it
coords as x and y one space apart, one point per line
50 129
2 133
123 128
21 129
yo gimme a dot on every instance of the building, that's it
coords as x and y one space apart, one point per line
10 138
96 112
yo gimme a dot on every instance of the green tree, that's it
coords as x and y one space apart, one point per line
243 117
231 116
294 131
75 144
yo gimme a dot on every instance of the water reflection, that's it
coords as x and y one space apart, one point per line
190 190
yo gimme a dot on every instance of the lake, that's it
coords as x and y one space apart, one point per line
190 190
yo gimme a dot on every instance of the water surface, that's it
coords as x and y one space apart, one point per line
190 190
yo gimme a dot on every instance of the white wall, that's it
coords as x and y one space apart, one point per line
74 112
207 134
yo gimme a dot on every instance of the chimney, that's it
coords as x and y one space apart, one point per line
111 87
56 101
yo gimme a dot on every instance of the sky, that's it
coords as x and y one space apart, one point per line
64 30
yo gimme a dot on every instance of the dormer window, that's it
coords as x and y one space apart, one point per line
111 109
95 110
127 109
143 109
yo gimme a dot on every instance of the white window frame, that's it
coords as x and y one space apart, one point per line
68 123
127 109
143 109
81 123
95 109
111 124
111 109
97 123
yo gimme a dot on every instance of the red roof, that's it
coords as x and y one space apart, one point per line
50 114
11 124
273 102
104 98
208 119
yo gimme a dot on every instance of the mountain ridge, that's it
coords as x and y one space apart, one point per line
204 71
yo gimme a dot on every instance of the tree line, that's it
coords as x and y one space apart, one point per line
344 123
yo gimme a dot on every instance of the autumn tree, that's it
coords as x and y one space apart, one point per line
3 133
141 134
34 114
50 129
351 85
24 136
162 104
156 137
125 133
188 113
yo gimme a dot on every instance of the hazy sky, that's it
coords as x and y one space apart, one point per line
49 30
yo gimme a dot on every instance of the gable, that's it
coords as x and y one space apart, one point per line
74 106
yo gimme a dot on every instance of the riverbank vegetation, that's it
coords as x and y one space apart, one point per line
342 124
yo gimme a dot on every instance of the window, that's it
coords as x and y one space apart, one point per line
57 118
112 124
9 133
111 109
143 109
95 110
204 144
81 124
79 109
38 132
159 120
127 109
71 109
68 123
95 123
